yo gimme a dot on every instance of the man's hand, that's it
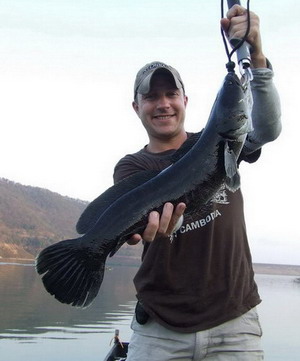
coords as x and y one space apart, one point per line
160 225
235 27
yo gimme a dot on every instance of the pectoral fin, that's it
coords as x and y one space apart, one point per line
232 181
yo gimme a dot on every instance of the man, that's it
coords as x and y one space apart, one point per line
196 290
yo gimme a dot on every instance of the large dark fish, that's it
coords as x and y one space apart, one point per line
73 269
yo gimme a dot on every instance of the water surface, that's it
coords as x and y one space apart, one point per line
36 327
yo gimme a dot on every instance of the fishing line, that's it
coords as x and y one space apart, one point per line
230 65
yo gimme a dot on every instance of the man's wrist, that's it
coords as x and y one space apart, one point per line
259 61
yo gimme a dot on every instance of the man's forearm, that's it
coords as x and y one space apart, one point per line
266 112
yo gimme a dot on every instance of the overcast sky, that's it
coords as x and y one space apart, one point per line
67 69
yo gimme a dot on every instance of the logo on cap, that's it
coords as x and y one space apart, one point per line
155 65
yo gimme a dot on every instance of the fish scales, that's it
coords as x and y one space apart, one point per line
194 178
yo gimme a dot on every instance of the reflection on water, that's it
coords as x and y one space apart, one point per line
36 327
280 316
31 317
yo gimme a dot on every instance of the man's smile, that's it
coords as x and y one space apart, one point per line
163 116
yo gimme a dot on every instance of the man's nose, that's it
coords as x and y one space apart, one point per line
163 102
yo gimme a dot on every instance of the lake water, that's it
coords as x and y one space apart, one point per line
36 327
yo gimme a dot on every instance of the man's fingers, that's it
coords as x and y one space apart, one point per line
235 10
134 239
163 224
225 23
177 218
235 26
236 16
165 218
152 227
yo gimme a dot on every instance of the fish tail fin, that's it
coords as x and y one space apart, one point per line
233 180
71 272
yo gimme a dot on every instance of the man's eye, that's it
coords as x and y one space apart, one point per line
173 93
149 96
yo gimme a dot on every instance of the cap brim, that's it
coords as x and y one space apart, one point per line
145 86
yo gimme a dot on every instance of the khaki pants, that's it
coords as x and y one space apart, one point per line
235 340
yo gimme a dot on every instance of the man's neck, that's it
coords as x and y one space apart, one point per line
161 145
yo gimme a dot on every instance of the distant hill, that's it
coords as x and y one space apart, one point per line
32 218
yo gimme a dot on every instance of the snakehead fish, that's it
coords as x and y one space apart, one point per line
72 270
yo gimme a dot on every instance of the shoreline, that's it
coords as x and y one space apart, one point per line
277 269
259 268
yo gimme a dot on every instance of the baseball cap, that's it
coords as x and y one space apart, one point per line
143 78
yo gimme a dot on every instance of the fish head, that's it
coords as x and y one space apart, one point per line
232 113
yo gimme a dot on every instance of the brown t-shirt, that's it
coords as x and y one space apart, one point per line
203 276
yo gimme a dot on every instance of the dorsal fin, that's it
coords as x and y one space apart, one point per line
93 211
186 146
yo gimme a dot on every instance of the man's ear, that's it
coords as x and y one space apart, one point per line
135 107
186 99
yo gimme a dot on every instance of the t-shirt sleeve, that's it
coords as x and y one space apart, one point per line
141 161
124 168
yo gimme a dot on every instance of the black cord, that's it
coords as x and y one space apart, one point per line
230 65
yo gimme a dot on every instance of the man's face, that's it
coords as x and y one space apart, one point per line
162 110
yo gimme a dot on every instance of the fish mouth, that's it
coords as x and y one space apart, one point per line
232 78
